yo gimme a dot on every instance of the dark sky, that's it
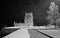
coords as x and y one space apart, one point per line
14 10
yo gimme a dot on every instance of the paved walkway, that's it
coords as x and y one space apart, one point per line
30 33
35 34
25 33
21 33
53 33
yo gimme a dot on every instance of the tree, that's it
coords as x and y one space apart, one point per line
53 14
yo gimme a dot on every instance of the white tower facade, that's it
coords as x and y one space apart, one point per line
29 19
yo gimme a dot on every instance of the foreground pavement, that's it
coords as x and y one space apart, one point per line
53 32
21 33
33 33
25 33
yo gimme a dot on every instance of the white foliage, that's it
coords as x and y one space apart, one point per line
53 13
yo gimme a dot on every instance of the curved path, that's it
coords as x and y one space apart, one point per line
25 33
35 34
20 33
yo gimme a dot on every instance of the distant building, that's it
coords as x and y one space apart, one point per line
18 24
29 19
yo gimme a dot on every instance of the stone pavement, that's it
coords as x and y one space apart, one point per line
21 33
25 33
33 33
52 32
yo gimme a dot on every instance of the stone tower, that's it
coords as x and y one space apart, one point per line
29 19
